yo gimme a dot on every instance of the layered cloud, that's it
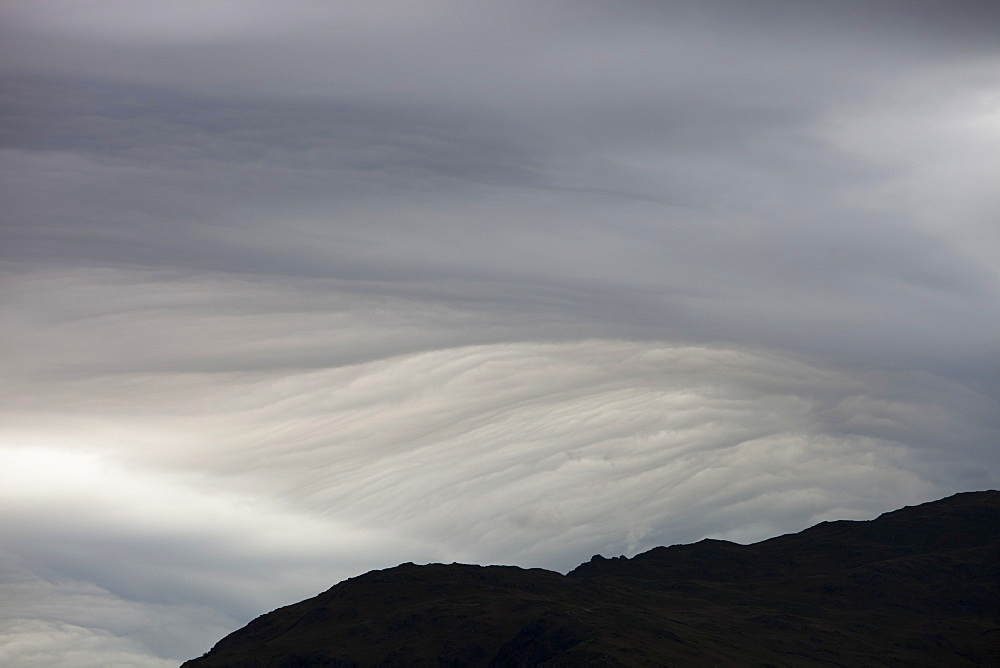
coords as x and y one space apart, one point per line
293 293
221 460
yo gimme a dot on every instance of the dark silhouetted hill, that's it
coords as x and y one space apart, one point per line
919 586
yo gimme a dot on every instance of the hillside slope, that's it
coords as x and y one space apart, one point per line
917 586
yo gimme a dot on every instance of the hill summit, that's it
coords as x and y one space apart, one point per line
919 586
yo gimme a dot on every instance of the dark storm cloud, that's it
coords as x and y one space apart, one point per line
294 291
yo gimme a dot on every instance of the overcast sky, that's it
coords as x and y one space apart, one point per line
294 290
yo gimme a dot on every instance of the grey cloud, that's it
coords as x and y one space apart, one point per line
63 622
67 623
485 449
292 294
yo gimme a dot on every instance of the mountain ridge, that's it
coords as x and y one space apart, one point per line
915 586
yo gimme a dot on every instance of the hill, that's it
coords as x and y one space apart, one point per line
919 586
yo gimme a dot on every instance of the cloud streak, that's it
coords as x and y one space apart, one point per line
290 295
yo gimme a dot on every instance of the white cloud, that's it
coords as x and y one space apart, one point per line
184 479
292 291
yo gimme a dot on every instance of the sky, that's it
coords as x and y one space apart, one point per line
290 291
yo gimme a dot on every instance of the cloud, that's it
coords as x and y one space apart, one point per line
67 622
188 562
374 439
289 295
222 491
